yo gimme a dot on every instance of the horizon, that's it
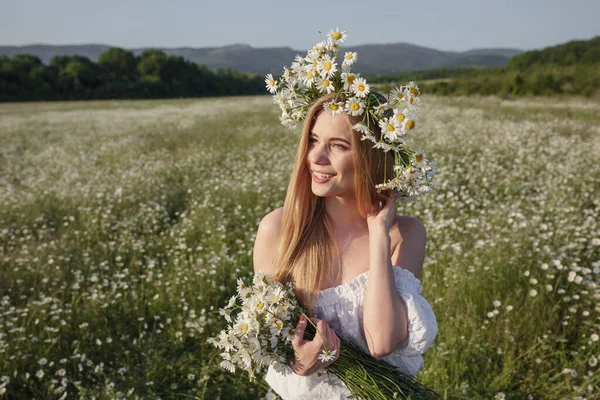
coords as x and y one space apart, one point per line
457 27
260 47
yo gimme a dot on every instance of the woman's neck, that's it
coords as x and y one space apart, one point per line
343 214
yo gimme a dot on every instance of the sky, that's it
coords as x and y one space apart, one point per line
450 25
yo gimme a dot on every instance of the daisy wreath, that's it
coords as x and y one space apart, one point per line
318 73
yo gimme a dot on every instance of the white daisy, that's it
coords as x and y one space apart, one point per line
288 333
325 85
271 83
397 94
326 356
312 61
227 365
419 159
413 101
333 107
327 67
360 87
350 58
287 121
355 106
412 88
348 78
40 374
381 109
320 47
337 36
308 76
360 127
390 130
409 124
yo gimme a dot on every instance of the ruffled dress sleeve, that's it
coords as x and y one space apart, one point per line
422 324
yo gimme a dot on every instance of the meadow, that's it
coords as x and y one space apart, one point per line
125 224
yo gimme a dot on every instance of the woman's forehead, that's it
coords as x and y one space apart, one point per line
329 126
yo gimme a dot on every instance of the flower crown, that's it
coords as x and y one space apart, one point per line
317 74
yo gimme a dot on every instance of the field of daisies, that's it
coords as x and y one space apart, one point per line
124 226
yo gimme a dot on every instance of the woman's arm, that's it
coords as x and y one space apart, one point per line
385 320
265 244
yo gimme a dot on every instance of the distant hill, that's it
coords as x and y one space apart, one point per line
373 59
571 68
571 53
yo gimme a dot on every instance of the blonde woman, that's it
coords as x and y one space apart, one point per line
354 263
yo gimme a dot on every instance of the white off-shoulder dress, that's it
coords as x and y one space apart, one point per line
342 308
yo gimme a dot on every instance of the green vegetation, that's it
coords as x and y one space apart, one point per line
118 74
125 224
572 68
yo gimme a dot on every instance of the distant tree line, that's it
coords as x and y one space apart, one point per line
572 68
118 74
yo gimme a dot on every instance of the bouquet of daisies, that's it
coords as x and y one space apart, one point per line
260 331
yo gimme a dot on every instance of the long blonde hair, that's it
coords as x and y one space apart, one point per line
307 244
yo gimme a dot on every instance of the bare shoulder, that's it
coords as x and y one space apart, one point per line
410 236
267 240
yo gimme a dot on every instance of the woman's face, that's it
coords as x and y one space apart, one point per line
330 156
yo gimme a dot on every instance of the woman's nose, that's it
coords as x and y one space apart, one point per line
317 154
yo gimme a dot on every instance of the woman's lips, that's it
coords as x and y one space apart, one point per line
318 179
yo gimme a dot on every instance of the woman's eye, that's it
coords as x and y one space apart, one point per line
340 146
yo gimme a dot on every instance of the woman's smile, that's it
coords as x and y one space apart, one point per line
320 177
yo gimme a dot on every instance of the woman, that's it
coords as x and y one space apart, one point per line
355 264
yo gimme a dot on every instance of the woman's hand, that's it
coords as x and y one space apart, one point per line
307 352
383 217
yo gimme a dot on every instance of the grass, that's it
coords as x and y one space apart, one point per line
124 225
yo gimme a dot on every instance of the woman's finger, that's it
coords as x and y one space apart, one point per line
299 333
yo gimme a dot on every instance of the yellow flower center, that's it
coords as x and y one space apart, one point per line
278 324
275 298
332 107
400 117
419 157
361 87
336 35
350 78
410 124
272 82
244 327
414 91
400 95
290 332
349 56
260 305
327 65
390 128
326 83
354 106
412 99
309 75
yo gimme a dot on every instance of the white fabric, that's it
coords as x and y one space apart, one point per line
342 308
